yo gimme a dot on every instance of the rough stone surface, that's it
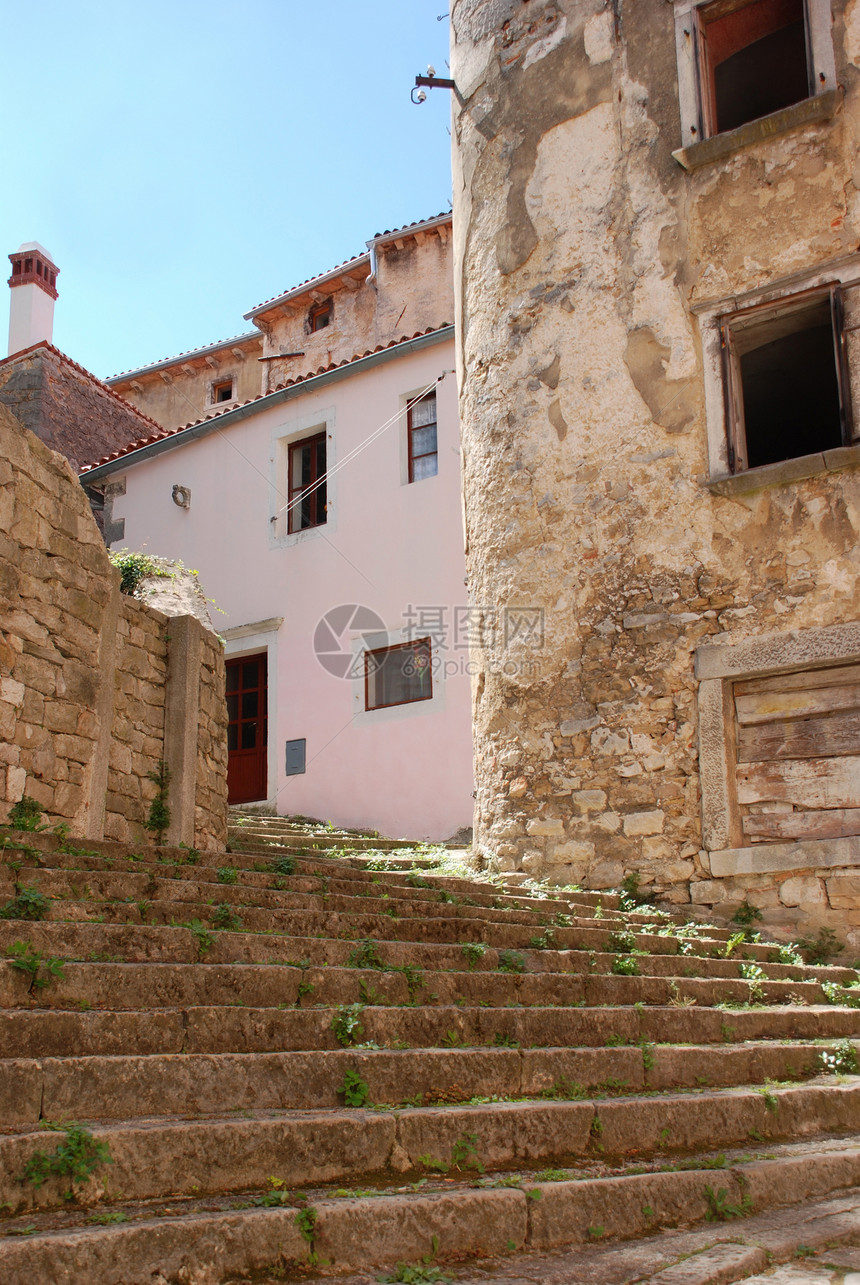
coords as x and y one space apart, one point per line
84 668
582 249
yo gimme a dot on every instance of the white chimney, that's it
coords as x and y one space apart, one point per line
34 288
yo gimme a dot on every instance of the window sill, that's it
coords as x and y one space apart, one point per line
819 108
785 471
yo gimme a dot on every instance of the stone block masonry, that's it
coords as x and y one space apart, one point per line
605 480
96 688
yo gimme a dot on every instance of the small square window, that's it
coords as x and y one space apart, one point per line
320 316
398 675
785 379
421 427
753 60
222 391
307 483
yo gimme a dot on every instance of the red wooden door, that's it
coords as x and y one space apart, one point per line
247 729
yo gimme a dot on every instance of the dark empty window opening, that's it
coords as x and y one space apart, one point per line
754 60
786 380
423 454
307 471
398 675
223 391
320 316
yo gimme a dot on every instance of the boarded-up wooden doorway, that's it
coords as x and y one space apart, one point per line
798 754
247 729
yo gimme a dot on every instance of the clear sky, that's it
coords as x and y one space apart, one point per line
182 160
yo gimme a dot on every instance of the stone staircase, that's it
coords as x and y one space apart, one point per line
252 831
260 1066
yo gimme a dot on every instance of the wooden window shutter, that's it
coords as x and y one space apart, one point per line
843 375
733 401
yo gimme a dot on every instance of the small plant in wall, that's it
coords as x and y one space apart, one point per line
159 813
26 814
134 568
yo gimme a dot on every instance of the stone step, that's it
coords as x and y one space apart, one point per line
311 876
211 1029
138 985
338 1233
101 1087
312 1147
442 968
167 901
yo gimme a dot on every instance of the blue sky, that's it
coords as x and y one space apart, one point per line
184 160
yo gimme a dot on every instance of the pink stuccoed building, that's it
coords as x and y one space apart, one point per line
323 514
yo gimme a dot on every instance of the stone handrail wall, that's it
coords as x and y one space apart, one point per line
96 688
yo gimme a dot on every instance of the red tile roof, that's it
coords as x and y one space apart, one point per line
261 397
408 229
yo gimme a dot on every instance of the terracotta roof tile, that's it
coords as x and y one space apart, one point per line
407 228
189 352
290 383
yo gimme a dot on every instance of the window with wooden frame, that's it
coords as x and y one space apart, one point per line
754 58
786 382
307 483
222 391
398 675
421 429
320 316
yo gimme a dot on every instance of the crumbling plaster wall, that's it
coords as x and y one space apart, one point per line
581 248
412 292
96 688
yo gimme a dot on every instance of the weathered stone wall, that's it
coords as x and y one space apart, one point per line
411 293
582 250
137 727
67 407
86 673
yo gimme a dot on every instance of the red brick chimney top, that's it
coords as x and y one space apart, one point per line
31 265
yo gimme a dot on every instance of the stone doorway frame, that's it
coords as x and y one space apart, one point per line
717 666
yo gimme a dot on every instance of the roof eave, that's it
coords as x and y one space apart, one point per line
126 375
311 384
346 269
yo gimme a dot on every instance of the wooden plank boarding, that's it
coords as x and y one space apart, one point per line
834 823
802 738
807 783
838 676
770 707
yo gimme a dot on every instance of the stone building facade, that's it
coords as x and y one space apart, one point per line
657 225
66 406
96 688
401 284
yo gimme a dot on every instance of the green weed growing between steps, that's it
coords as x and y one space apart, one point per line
355 1091
41 969
841 1059
721 1210
77 1157
28 903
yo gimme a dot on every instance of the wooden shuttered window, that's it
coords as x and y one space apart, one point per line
753 58
786 378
